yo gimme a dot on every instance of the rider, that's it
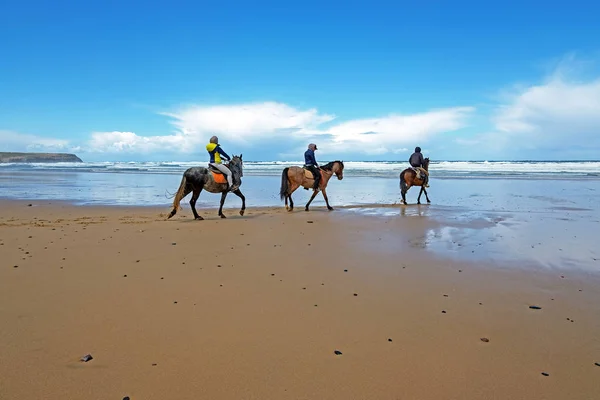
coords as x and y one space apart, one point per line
310 163
215 151
416 161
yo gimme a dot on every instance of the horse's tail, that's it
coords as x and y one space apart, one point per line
181 192
285 184
403 187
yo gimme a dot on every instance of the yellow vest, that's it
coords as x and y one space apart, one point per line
211 150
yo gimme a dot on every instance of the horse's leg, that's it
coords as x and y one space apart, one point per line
292 190
404 194
315 191
427 197
420 193
239 194
223 195
195 196
326 199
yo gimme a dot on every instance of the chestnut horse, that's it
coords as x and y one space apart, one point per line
408 178
294 177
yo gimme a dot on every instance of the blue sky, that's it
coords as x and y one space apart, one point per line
365 81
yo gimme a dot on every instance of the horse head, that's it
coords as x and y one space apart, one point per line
338 169
236 165
426 163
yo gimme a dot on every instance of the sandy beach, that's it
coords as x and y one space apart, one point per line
254 307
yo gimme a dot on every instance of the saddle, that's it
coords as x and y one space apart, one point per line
421 172
213 169
309 175
218 176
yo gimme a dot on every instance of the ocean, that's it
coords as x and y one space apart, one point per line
149 183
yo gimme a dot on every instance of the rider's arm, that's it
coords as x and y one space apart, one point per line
221 152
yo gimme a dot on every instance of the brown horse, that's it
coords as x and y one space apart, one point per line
294 177
408 178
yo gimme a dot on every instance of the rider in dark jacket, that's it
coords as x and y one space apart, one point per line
310 163
416 161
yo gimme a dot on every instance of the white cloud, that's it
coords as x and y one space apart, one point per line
561 113
13 141
240 123
391 133
248 124
129 142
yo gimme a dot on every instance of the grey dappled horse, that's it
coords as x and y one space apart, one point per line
197 178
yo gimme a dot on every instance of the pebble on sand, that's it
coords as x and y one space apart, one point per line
16 266
126 398
390 339
597 364
443 311
485 340
309 222
545 374
173 244
87 358
535 307
337 353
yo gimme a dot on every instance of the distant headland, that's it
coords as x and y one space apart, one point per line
38 157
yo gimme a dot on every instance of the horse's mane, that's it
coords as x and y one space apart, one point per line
329 165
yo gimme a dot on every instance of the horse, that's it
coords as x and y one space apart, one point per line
294 177
197 178
408 178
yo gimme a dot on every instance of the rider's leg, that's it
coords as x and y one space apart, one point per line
423 176
317 176
225 171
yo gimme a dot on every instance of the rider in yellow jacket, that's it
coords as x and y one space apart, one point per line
215 152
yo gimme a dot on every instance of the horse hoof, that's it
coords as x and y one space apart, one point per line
242 213
199 219
223 216
330 208
428 202
418 202
306 209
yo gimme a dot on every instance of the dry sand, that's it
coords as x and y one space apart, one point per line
254 308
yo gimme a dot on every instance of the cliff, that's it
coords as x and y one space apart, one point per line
38 157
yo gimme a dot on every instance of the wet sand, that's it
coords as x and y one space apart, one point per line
254 307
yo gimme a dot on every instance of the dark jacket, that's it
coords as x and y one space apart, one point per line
309 158
416 160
